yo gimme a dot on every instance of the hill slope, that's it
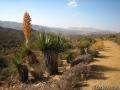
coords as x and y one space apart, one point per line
9 39
69 31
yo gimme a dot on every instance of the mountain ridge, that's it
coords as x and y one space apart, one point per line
70 31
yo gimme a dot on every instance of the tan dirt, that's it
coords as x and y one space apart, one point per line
109 67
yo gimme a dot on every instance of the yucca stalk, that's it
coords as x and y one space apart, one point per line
26 27
51 45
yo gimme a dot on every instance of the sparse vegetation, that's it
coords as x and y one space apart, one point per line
10 40
25 62
46 55
115 38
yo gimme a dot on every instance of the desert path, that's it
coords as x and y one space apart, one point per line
107 67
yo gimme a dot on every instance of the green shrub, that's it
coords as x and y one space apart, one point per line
84 43
15 62
16 67
16 59
25 52
69 57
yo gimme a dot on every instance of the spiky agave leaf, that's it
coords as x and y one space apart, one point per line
16 60
50 42
14 64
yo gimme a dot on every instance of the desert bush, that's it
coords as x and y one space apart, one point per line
22 70
17 68
73 79
28 60
71 54
69 57
84 45
14 65
25 52
51 45
75 52
97 46
82 59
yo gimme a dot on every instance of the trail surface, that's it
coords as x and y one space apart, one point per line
106 68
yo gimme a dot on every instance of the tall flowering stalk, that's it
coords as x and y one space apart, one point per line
26 27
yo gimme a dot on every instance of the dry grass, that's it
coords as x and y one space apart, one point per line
98 46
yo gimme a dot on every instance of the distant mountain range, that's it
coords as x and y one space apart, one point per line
70 31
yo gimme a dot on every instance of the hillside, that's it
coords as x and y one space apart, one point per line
9 39
68 31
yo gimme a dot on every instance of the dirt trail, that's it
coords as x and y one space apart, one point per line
107 67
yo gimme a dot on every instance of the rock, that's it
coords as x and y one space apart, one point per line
64 62
45 74
56 78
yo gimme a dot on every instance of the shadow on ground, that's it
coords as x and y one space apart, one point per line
107 49
103 56
97 71
101 68
97 75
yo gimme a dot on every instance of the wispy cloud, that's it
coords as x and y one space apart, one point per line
72 3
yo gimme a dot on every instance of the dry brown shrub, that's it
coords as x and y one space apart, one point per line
98 46
75 52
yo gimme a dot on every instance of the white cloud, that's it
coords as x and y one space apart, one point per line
72 3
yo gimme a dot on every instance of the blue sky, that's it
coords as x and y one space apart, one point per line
102 14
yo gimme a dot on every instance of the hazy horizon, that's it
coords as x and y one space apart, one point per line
100 14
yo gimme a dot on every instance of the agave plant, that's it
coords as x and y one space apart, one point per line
51 45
